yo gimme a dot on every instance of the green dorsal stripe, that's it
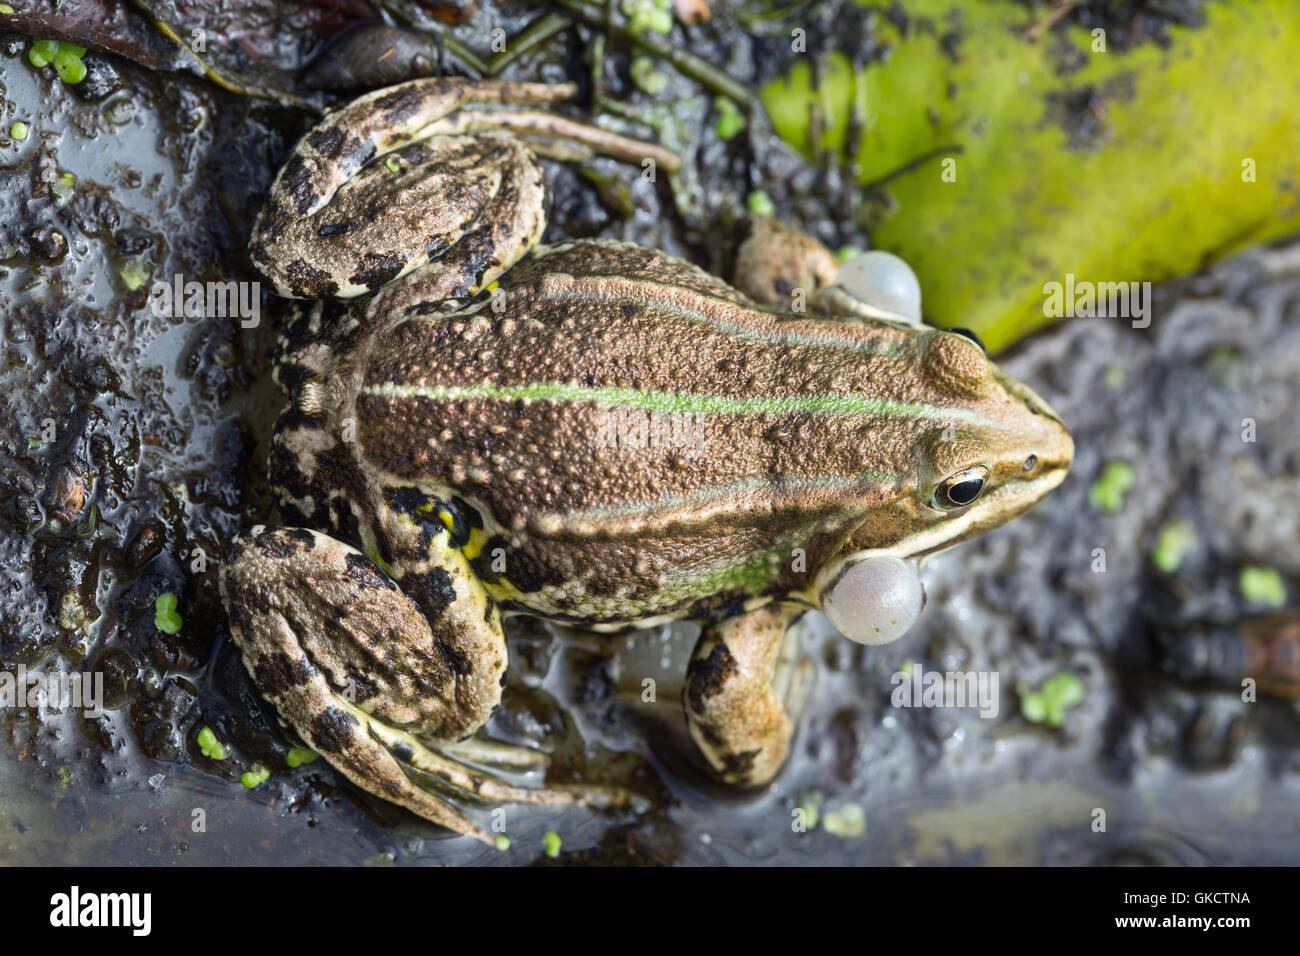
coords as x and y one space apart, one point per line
675 403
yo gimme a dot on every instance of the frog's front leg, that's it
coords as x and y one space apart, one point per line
363 675
744 690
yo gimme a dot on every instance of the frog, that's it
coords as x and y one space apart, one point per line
593 433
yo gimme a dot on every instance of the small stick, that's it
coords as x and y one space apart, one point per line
1030 33
283 97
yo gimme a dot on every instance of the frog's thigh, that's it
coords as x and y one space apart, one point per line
742 691
352 663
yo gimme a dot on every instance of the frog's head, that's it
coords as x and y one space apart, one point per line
1004 449
974 449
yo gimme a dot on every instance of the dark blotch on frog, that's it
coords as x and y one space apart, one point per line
332 729
708 675
283 542
310 283
363 574
277 672
376 271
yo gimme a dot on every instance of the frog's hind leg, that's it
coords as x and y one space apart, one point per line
429 172
743 690
365 677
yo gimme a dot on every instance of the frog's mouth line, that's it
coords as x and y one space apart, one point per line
947 534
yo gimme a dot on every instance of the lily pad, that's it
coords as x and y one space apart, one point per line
1014 162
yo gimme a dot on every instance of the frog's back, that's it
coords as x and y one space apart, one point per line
636 433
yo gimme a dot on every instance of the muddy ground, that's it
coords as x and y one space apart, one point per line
133 446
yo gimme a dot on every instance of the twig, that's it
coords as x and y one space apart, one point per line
685 63
532 36
1030 33
770 16
914 163
283 97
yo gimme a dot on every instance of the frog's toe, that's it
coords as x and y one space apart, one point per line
366 678
462 767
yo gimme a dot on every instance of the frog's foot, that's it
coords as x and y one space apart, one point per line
744 688
463 769
365 678
432 170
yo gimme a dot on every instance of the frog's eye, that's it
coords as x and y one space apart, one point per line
961 489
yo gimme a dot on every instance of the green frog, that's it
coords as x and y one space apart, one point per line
592 433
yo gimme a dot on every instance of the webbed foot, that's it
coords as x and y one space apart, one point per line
380 688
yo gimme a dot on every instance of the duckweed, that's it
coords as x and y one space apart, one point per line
68 64
300 755
730 119
847 822
165 616
1263 585
63 187
212 747
42 53
647 78
1048 704
760 203
643 15
134 274
1108 491
1173 541
811 805
66 58
254 775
